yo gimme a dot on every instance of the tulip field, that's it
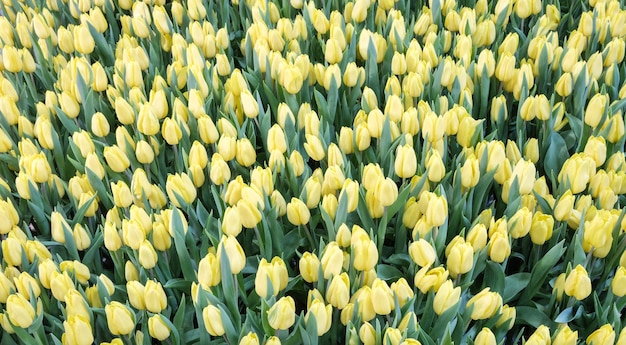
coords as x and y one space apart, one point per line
395 172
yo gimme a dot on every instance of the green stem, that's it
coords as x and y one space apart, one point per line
309 236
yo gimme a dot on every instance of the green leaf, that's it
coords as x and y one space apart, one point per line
532 316
181 247
541 270
513 284
388 272
494 277
556 155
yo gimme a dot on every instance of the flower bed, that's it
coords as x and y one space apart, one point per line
266 172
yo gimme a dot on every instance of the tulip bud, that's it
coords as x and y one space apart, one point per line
298 212
180 188
595 110
233 251
155 297
446 297
485 304
19 311
435 166
577 283
604 335
212 317
364 251
274 272
322 314
460 259
422 253
309 267
158 329
282 315
618 284
596 149
331 256
147 255
507 316
209 272
485 337
136 294
540 336
541 228
338 293
406 162
250 339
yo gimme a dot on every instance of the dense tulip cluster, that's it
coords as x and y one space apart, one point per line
290 172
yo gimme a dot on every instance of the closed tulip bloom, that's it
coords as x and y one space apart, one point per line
220 171
212 317
435 166
485 337
403 291
446 297
578 284
155 297
309 267
314 147
422 253
12 251
541 228
282 315
338 293
250 339
460 259
595 109
147 255
249 214
330 258
618 284
565 336
436 211
249 104
499 247
232 249
81 237
11 59
564 206
120 319
19 311
485 304
406 162
157 328
541 336
298 212
116 158
274 272
386 192
621 340
507 316
231 224
209 272
26 284
77 331
121 194
245 154
180 186
276 139
470 172
322 314
382 297
596 149
604 335
136 294
364 251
